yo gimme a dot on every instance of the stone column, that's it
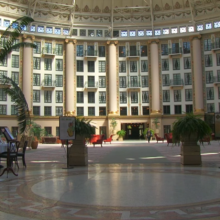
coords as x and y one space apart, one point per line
197 72
70 89
155 79
113 101
27 71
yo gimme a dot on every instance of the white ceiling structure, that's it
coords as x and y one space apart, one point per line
114 13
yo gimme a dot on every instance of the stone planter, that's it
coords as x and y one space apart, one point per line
78 153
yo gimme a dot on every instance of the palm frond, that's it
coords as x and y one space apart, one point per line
18 97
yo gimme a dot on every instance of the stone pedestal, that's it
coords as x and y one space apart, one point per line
190 154
78 153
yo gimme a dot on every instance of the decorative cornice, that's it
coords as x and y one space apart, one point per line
67 41
198 36
25 36
70 113
115 42
157 41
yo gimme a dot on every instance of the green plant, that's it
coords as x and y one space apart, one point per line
156 122
35 130
83 127
121 133
114 123
145 132
189 125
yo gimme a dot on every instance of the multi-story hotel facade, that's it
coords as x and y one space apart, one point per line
134 61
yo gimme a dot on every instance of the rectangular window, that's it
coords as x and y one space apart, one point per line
144 81
144 66
164 49
145 97
91 81
102 97
166 95
15 77
59 96
36 110
4 62
176 63
177 109
210 107
123 97
57 131
36 79
3 95
189 108
218 59
102 111
207 45
59 111
166 109
134 110
165 65
91 111
3 109
47 111
101 51
122 51
79 50
134 97
91 66
123 110
15 61
218 92
80 111
91 97
79 65
48 79
80 82
122 66
59 49
208 60
48 48
122 82
91 51
177 79
102 66
47 64
16 41
14 110
188 78
3 73
37 50
175 48
209 77
59 65
80 97
166 79
48 130
177 95
188 94
187 63
36 63
102 83
133 66
59 81
186 47
134 81
145 110
210 93
144 51
36 95
47 96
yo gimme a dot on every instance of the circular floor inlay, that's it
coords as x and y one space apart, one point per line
130 189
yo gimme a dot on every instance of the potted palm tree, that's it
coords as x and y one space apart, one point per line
121 134
189 130
78 152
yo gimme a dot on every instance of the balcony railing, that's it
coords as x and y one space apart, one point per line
134 84
48 51
49 84
91 85
216 80
175 51
133 53
176 82
92 53
216 45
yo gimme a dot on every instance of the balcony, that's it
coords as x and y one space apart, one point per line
215 46
91 54
133 54
176 83
216 80
134 85
48 84
48 52
175 51
91 86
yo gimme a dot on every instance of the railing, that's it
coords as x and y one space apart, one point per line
48 51
175 50
215 45
93 53
216 79
91 85
134 84
48 83
135 53
176 82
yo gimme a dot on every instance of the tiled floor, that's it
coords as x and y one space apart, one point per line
124 180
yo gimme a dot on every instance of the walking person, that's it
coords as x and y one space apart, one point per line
148 135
